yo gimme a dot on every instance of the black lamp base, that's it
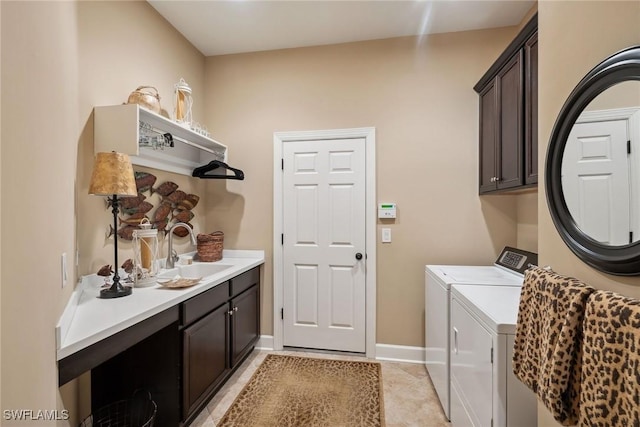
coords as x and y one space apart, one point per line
115 291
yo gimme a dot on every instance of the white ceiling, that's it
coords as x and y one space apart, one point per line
217 27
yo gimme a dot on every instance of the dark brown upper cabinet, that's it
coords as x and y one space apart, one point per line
531 110
509 116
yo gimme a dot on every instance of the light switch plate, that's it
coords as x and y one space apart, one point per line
386 235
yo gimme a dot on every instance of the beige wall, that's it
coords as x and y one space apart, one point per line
567 53
1 218
123 45
59 60
40 130
527 220
418 95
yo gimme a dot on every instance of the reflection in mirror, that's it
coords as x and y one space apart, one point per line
601 167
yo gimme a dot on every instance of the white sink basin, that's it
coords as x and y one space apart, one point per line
168 274
202 269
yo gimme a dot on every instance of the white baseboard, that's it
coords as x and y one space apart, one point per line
400 353
265 342
388 352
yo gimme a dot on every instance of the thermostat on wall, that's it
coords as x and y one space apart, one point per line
386 210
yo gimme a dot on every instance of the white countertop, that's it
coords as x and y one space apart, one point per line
496 306
88 319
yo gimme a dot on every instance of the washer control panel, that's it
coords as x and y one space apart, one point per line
517 260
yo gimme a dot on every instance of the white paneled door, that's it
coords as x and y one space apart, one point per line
324 244
595 180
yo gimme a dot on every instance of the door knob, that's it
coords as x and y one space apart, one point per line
358 256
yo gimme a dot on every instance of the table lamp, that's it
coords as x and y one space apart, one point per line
112 177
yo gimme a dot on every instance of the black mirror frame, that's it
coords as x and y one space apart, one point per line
618 260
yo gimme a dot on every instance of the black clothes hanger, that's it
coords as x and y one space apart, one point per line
201 171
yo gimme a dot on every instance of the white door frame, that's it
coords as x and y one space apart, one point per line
279 138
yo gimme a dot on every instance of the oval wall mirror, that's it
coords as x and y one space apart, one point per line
592 176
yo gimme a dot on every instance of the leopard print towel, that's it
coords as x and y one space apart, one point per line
548 343
610 394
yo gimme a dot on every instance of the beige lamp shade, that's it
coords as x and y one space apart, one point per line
113 174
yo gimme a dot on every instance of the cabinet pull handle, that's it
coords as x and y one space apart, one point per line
455 340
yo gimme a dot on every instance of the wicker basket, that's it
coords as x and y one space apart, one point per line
210 246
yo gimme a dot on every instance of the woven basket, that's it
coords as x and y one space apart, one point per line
210 246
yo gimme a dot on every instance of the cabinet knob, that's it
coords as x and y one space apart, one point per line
492 179
235 308
230 312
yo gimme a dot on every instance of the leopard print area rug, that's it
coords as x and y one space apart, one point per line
291 391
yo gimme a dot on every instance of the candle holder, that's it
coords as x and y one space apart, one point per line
183 103
145 255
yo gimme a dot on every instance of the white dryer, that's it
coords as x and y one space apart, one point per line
484 390
508 270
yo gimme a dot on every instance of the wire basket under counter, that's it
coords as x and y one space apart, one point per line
139 411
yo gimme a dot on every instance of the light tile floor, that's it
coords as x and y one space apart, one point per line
409 397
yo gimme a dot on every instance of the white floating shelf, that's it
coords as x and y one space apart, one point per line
117 128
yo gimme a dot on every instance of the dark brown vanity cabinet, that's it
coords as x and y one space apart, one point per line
205 360
245 323
220 328
182 355
245 314
508 116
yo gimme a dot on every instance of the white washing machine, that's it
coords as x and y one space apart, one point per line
508 270
484 390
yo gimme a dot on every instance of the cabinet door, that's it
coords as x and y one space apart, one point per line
531 111
488 137
245 327
510 85
205 361
471 367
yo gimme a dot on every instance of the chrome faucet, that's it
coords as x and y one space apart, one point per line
172 256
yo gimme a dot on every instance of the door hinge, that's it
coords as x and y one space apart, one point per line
282 164
631 237
282 313
629 147
492 355
282 239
